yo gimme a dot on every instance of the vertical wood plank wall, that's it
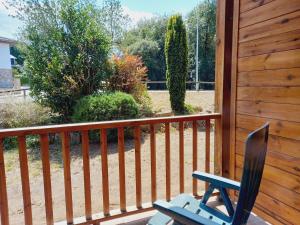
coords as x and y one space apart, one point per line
267 77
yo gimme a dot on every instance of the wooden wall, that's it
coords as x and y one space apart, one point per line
266 87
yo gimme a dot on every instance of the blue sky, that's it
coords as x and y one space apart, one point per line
136 9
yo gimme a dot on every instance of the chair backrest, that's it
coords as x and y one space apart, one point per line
254 161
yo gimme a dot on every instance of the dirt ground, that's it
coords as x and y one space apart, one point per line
202 99
36 180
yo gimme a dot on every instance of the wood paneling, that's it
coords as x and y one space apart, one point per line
268 90
275 8
289 198
280 128
284 95
277 176
278 144
277 60
269 110
276 43
251 4
279 25
282 161
270 78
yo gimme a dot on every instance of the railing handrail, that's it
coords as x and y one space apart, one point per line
14 90
101 125
187 82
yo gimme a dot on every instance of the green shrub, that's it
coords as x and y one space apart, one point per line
14 114
106 107
176 52
103 107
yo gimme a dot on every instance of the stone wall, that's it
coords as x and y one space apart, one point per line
6 78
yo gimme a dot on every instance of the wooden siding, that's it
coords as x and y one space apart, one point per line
266 77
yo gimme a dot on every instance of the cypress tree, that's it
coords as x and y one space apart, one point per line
176 51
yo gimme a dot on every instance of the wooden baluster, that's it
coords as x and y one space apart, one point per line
3 191
181 157
168 161
105 182
65 136
207 149
195 156
153 163
121 150
138 176
25 180
86 175
44 142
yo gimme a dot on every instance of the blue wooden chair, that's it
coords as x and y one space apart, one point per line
185 209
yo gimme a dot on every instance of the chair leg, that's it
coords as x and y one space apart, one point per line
227 201
207 194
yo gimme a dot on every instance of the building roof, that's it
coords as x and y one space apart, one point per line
7 40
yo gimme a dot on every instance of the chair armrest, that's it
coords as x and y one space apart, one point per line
217 180
181 215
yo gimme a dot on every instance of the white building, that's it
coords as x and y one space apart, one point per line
6 76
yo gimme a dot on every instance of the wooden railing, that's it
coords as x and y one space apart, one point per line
64 131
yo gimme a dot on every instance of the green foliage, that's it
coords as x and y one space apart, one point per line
106 107
148 40
128 75
176 51
148 50
206 13
66 53
18 52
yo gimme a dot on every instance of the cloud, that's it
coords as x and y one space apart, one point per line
137 16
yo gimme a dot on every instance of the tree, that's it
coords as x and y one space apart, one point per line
128 75
206 13
148 50
114 19
66 51
148 41
176 51
18 52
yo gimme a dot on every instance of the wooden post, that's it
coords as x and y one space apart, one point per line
195 155
138 173
223 86
3 191
67 175
25 180
153 163
105 182
207 149
86 174
181 157
121 151
44 142
168 162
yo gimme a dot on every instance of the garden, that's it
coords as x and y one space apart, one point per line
82 67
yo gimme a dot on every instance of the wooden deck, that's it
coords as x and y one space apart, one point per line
143 218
